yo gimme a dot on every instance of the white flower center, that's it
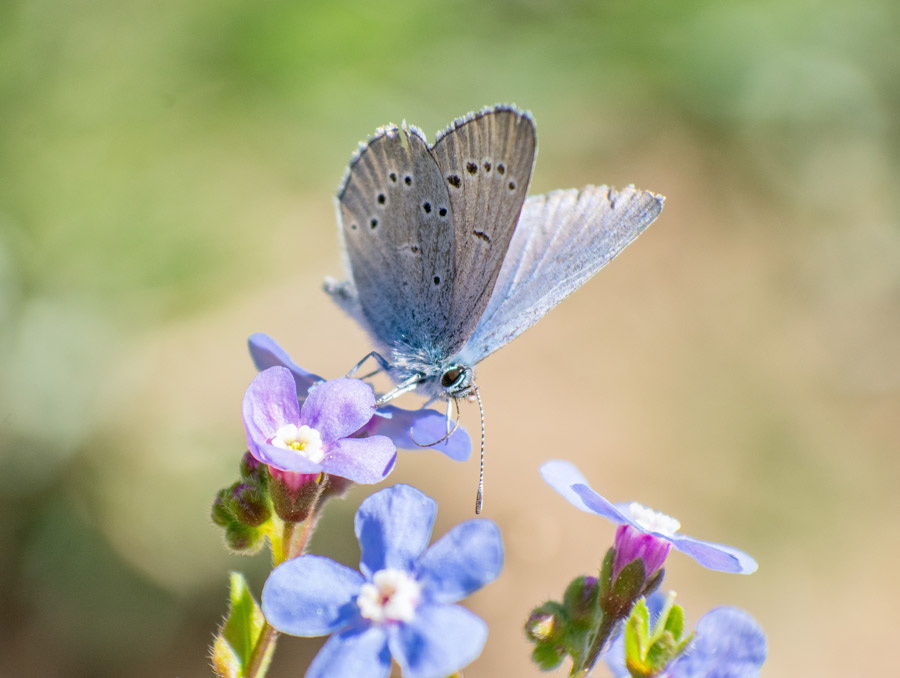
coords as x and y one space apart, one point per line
307 441
392 595
653 521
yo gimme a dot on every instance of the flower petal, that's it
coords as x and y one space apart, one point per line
338 408
311 596
270 402
286 460
462 561
568 481
729 644
266 353
362 460
393 527
715 556
595 503
354 652
440 640
424 426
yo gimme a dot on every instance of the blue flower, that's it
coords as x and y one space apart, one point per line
315 438
728 644
401 426
401 603
563 477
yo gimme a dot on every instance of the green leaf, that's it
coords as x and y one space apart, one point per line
683 645
635 641
675 622
239 633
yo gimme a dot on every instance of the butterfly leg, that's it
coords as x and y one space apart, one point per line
377 357
401 388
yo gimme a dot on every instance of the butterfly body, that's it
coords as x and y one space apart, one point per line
447 259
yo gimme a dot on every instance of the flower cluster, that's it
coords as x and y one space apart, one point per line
309 439
584 623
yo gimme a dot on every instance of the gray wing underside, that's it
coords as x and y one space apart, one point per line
562 239
486 160
397 228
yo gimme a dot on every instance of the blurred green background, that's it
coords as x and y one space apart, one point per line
167 173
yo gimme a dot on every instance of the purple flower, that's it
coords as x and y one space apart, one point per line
631 544
402 426
728 644
401 603
315 438
563 477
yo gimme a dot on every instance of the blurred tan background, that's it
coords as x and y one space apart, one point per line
167 173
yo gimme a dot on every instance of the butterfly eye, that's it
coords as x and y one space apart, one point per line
451 376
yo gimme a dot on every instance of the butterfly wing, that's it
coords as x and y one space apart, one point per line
485 160
563 238
397 229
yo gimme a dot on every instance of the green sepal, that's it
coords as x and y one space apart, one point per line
683 645
253 471
605 582
581 600
653 583
630 581
636 639
547 657
648 652
243 539
675 621
661 653
250 505
219 512
239 632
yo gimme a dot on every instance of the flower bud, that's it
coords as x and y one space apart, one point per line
294 495
220 513
546 624
253 471
580 599
249 505
631 545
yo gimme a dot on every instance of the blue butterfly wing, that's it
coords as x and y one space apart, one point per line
397 231
562 239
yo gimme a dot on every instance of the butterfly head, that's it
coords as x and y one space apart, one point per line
457 381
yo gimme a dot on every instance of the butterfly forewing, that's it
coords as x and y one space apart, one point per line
485 161
398 230
562 240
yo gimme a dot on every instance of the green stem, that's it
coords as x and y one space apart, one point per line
291 543
258 664
601 640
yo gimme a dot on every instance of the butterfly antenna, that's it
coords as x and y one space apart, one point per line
479 497
442 439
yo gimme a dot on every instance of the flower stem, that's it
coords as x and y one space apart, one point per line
290 544
262 651
598 646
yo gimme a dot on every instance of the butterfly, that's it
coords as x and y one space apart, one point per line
447 260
